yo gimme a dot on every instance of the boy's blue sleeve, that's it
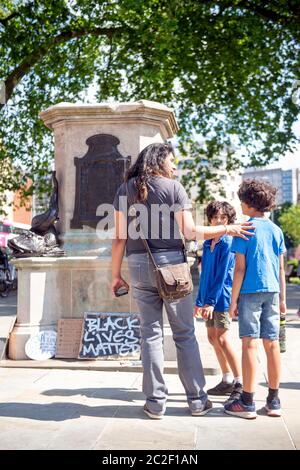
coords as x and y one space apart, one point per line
239 245
202 275
282 248
223 264
198 302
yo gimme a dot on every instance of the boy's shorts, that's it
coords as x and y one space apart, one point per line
219 320
258 315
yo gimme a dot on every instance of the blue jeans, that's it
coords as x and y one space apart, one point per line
180 315
258 315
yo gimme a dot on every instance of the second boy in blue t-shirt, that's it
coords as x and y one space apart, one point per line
214 299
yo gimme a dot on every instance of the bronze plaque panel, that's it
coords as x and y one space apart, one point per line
98 175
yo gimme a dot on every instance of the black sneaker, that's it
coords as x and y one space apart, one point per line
223 388
235 394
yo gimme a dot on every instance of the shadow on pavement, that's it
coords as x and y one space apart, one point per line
125 394
67 411
290 385
292 325
59 411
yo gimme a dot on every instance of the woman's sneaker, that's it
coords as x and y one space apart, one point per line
236 393
238 408
202 411
223 388
273 407
152 415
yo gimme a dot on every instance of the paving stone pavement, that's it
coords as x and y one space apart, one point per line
86 409
102 410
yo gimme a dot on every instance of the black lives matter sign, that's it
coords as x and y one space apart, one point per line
109 334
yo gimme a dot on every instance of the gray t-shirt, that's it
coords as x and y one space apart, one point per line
156 215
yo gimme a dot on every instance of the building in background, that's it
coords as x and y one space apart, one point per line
17 218
287 182
229 184
15 211
40 204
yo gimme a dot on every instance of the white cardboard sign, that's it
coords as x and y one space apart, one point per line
41 346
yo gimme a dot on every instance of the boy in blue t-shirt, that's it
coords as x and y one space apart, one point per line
258 296
214 298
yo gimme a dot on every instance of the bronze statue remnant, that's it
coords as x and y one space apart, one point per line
42 238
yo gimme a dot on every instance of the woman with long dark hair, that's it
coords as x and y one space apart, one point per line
164 213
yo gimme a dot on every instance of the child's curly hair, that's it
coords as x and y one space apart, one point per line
258 194
215 206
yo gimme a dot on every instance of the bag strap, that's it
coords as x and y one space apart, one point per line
183 245
133 210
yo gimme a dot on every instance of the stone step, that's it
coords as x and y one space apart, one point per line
8 313
108 365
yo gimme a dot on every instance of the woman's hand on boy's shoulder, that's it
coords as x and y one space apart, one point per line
241 230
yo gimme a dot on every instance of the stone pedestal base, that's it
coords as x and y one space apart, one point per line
19 337
54 288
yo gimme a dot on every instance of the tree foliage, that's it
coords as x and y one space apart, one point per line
290 223
277 213
228 68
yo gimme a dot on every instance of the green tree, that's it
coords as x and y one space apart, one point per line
228 67
290 223
277 213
